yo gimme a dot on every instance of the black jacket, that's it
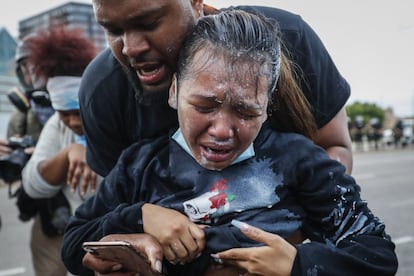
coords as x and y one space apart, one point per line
290 184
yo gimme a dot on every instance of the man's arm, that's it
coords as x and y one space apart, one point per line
104 97
335 138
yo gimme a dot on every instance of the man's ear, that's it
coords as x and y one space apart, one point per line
172 99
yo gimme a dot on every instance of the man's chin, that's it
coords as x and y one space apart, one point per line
142 89
155 88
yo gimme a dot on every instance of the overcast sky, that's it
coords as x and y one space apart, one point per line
371 41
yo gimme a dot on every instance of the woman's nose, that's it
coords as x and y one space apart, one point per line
221 128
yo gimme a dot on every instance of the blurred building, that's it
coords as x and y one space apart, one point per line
7 66
72 15
7 51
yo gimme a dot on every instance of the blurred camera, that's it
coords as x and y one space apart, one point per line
40 97
11 165
21 100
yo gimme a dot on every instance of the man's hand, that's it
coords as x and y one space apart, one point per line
147 245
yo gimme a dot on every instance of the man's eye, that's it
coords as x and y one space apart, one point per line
113 31
149 26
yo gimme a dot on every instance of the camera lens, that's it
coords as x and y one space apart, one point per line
12 165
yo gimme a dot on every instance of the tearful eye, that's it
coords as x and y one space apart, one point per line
248 114
204 109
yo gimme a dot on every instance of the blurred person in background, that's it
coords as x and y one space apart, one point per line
33 106
57 169
35 102
33 109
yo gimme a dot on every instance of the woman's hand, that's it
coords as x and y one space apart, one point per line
145 244
181 240
78 170
276 257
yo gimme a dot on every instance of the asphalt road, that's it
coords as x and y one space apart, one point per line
387 182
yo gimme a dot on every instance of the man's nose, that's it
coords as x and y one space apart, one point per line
134 43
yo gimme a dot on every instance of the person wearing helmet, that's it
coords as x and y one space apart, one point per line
56 169
34 86
33 109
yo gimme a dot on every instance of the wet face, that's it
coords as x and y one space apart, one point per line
145 35
72 119
220 113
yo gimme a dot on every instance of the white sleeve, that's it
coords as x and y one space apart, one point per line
49 144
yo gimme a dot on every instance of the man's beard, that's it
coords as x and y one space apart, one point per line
142 96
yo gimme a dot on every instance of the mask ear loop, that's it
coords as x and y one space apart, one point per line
176 88
173 99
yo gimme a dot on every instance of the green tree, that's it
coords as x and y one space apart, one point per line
367 111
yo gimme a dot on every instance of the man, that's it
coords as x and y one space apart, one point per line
144 38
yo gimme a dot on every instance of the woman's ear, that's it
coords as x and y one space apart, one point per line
172 99
197 6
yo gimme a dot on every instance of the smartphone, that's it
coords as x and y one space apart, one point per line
121 252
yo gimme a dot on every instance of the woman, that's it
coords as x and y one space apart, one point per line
225 163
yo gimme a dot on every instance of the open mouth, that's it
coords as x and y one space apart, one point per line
151 73
216 154
216 151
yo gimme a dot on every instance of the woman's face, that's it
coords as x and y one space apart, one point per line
72 119
220 109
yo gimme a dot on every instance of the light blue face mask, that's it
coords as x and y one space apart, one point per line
80 139
179 138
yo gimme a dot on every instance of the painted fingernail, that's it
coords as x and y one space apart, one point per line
117 267
216 258
174 262
158 266
241 225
